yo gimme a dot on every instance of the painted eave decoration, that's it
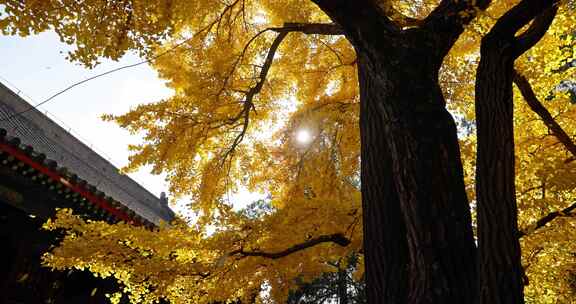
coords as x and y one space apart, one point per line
24 160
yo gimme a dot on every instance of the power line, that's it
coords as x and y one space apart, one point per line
153 58
71 131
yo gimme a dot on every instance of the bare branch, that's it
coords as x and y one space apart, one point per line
336 53
536 106
310 28
226 13
249 98
248 104
547 219
337 238
307 28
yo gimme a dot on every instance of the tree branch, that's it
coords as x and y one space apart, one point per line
535 32
390 17
517 17
455 12
337 238
248 102
357 17
310 28
448 19
547 219
536 106
249 98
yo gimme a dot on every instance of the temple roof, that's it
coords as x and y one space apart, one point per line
34 130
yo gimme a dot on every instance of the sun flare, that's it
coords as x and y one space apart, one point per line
303 136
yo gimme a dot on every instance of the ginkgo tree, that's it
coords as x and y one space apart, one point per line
384 171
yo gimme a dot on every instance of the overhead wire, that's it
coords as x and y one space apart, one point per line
149 60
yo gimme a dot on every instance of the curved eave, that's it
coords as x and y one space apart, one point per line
58 179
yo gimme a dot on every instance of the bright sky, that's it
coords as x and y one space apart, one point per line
36 66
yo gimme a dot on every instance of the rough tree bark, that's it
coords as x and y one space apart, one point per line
421 137
418 242
500 267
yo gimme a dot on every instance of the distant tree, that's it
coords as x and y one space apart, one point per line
332 287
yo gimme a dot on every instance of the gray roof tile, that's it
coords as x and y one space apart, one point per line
45 136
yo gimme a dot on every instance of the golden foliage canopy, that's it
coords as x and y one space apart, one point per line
247 76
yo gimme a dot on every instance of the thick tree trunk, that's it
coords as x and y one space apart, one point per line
499 248
403 113
385 243
418 241
407 133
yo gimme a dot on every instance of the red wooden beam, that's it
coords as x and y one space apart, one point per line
55 176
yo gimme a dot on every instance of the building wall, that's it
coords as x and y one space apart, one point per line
22 278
